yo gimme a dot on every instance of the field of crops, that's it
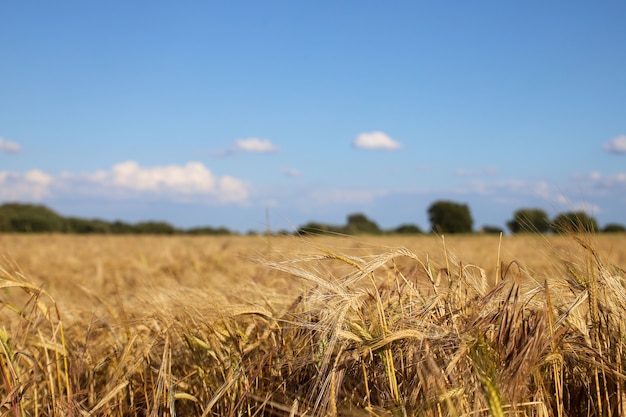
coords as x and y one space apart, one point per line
293 326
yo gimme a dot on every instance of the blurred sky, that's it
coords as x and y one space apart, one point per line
210 113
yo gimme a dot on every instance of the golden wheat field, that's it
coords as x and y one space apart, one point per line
292 326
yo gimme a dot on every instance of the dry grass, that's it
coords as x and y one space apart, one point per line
231 326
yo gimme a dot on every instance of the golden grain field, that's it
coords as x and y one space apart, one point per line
256 325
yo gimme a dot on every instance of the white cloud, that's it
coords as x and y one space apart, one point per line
192 178
232 190
255 145
36 176
192 181
375 140
32 185
616 145
189 182
8 146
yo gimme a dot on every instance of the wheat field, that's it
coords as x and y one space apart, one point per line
292 326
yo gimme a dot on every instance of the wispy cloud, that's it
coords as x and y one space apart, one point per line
255 145
598 183
346 196
250 145
489 171
590 209
222 153
292 172
190 182
579 192
506 187
7 146
375 140
616 145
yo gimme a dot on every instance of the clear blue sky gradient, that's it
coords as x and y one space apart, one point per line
208 113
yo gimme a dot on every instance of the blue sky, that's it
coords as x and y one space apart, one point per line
209 113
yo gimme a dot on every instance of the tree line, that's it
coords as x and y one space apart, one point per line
449 217
18 217
445 217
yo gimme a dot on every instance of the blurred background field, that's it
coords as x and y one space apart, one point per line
112 266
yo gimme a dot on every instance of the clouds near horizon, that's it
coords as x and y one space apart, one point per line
190 182
31 185
598 183
194 185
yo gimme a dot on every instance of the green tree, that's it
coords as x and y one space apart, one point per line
120 227
574 221
407 229
78 225
491 230
315 228
358 223
18 217
155 227
450 217
614 228
529 220
208 230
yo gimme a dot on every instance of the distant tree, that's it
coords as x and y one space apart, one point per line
120 227
529 220
491 230
155 227
18 217
407 229
78 225
450 217
315 228
576 222
207 230
614 228
358 223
